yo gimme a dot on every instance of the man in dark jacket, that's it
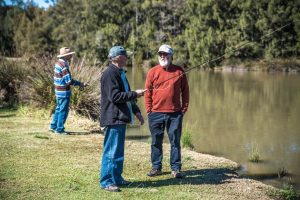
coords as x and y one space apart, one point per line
118 104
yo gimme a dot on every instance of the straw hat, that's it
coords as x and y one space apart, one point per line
65 51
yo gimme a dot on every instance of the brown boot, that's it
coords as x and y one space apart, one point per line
154 172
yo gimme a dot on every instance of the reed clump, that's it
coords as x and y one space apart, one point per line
186 138
282 172
254 155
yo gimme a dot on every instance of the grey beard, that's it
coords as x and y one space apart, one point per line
164 63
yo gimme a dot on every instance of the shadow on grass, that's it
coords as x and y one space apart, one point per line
80 132
192 177
7 115
137 137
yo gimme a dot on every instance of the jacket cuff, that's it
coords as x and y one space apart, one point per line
134 94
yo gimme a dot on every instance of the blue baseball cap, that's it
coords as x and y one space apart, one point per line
116 51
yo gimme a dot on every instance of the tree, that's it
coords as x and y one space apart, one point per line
199 31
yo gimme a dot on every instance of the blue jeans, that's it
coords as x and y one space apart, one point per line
61 114
113 155
172 122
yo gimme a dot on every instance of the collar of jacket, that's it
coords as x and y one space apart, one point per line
117 68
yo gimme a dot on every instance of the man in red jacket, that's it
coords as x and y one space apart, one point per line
166 101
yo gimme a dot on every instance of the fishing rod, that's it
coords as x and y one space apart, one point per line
216 58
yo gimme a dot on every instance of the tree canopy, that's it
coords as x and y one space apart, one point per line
198 30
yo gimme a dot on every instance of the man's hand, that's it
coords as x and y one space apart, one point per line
140 92
140 118
83 85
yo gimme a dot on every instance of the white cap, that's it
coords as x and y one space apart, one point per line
166 48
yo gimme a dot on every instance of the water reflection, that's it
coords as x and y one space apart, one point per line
233 114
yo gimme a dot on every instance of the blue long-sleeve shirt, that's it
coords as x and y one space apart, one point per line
63 79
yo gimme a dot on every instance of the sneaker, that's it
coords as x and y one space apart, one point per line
124 183
61 133
177 174
51 130
154 172
112 188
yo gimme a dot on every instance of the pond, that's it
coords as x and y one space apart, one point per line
240 114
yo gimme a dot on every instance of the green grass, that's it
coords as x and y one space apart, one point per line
289 193
37 164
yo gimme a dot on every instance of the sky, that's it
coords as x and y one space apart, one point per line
40 3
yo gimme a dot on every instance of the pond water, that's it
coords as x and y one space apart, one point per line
238 114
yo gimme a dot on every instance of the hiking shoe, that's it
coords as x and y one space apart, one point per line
62 133
112 188
154 172
124 183
177 174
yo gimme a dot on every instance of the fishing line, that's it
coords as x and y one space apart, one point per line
216 58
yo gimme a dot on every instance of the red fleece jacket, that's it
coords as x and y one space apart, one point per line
168 90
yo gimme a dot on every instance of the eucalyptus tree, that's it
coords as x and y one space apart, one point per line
205 25
199 30
273 15
8 16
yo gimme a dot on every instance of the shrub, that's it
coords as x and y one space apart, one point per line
12 75
38 89
30 82
87 101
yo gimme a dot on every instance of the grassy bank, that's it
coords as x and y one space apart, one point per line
37 164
